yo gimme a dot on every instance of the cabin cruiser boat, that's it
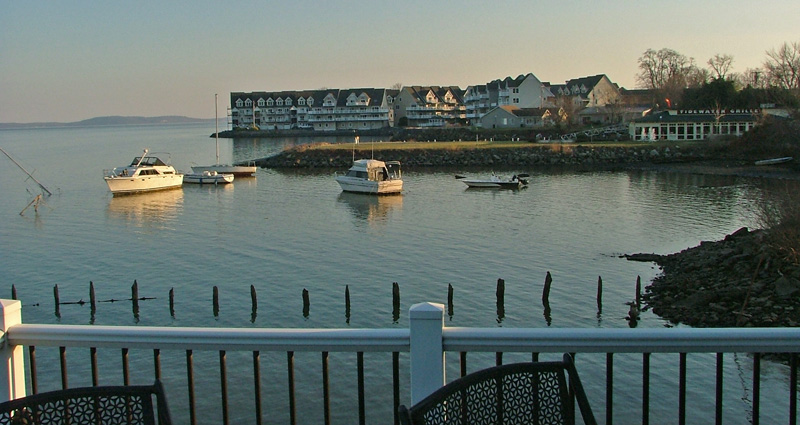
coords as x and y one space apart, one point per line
144 174
515 182
208 177
372 176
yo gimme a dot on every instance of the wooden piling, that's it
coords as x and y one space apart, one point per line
638 292
253 299
57 300
347 303
548 280
306 303
172 302
450 300
215 301
395 301
13 292
92 297
135 298
599 293
500 292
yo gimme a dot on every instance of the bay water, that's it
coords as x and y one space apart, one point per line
285 231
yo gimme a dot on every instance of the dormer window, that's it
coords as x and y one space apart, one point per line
301 101
310 101
363 99
270 102
248 103
261 103
239 103
279 102
288 101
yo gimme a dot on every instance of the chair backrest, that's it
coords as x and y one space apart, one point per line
519 393
90 406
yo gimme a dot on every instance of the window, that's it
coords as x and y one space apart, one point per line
260 103
270 102
301 101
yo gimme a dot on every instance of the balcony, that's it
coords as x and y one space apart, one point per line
661 375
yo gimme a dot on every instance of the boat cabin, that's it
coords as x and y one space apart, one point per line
374 170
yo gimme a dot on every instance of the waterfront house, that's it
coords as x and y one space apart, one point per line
430 106
508 116
320 110
587 92
525 91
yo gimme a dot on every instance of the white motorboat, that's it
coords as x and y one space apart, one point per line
145 173
372 176
493 181
242 170
208 177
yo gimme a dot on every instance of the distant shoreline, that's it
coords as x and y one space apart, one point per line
109 121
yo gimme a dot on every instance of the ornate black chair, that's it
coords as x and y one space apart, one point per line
519 393
116 405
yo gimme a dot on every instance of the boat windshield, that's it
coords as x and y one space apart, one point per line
148 161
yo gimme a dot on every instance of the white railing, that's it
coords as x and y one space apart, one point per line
426 340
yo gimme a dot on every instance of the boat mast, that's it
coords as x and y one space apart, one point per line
26 172
216 126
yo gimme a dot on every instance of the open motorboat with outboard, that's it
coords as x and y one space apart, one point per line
145 173
208 177
515 182
372 176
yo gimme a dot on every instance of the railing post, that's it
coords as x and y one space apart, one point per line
12 377
427 352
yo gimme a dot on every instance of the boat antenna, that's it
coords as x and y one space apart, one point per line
216 126
26 172
142 158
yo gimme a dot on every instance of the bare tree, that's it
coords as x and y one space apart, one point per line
396 86
668 73
721 65
753 77
783 66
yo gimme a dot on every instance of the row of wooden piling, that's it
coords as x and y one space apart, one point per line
499 294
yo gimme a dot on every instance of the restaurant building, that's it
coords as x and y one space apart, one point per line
695 124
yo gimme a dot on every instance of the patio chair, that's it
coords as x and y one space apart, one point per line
519 393
116 405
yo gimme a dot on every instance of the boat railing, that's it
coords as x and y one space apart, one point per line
405 365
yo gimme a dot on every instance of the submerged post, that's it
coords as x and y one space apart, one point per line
12 357
599 294
172 302
57 300
426 322
548 280
215 301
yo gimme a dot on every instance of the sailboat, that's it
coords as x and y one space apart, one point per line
236 170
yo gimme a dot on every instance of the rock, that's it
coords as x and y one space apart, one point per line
785 287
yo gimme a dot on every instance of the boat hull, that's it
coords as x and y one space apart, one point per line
236 170
125 185
356 185
203 178
492 184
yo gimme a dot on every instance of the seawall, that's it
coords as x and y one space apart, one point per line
554 155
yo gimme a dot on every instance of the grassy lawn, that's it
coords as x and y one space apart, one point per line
463 145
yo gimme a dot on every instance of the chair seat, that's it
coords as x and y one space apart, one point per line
519 393
90 405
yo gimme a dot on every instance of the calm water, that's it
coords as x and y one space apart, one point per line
285 231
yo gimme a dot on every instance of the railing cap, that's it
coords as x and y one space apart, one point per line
427 311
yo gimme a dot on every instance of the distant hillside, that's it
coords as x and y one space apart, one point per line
112 120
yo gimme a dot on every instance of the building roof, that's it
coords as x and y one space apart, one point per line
674 116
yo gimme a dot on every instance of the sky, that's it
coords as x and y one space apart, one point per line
65 61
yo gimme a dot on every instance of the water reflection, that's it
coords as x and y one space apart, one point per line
147 209
373 209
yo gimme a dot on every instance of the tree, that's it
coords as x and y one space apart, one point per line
783 66
668 73
720 65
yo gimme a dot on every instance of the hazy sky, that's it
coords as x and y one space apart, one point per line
72 60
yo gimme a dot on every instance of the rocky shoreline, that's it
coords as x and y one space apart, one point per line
528 155
735 282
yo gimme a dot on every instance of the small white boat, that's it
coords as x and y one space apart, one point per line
236 170
774 161
144 174
372 176
515 182
208 177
